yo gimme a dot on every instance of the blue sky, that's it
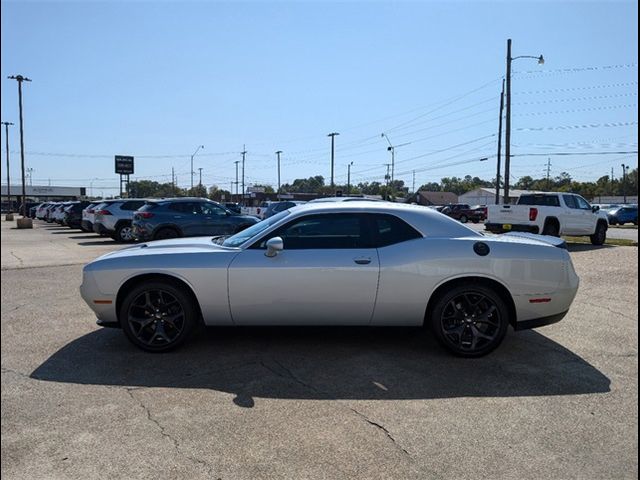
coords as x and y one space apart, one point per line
157 79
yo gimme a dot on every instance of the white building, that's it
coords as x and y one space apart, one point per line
487 196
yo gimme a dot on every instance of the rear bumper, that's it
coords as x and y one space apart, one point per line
540 322
86 225
101 229
500 228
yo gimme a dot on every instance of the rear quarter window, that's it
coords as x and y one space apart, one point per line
391 230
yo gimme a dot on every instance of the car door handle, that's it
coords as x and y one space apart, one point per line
362 260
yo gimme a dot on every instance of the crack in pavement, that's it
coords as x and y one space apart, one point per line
19 374
21 262
610 310
163 432
290 375
381 427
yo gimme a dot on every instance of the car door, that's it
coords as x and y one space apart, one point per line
186 215
570 221
587 218
215 219
327 274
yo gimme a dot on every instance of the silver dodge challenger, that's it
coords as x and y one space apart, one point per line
347 263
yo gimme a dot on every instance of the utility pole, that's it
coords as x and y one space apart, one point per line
200 178
548 173
413 185
507 134
237 162
30 174
173 182
333 136
20 79
499 144
387 177
244 153
278 154
349 179
6 129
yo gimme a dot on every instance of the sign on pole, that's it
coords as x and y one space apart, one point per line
124 165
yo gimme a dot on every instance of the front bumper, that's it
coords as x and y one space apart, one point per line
500 228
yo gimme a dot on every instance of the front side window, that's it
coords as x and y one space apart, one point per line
211 209
313 232
582 203
570 200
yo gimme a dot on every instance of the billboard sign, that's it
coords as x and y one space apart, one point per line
124 165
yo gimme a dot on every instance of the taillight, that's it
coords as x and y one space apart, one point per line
485 211
533 214
103 212
144 214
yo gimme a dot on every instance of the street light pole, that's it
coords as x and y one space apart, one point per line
20 79
333 136
30 174
349 179
6 129
278 154
507 133
244 154
625 168
192 172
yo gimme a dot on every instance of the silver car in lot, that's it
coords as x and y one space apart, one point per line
345 263
114 217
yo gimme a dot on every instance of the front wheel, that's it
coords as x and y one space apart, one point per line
600 235
158 316
464 219
470 320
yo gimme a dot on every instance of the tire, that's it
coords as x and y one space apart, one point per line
600 236
124 233
463 219
158 316
469 320
166 233
552 229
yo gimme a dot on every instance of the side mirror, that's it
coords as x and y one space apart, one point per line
595 208
274 245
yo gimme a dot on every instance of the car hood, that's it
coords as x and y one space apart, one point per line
172 246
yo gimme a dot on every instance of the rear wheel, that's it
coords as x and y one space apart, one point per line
124 233
552 229
600 235
470 320
158 316
165 233
464 219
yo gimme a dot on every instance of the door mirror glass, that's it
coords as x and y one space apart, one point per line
274 245
595 208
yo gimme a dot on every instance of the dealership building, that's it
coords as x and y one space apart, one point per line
38 193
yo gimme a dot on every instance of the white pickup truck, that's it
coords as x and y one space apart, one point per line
549 214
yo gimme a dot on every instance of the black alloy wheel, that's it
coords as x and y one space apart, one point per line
470 321
157 316
600 235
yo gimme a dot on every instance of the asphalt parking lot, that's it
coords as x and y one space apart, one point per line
81 402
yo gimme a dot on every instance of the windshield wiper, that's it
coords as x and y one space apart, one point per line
219 239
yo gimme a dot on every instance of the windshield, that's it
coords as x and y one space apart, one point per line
241 237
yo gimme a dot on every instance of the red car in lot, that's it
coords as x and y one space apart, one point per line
465 213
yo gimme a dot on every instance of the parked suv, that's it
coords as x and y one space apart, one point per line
623 214
278 207
113 218
88 214
186 217
73 214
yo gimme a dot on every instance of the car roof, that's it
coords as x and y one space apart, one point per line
343 199
427 221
